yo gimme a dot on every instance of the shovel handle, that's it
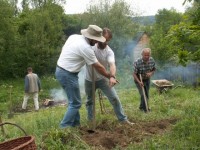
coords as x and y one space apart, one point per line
93 99
145 99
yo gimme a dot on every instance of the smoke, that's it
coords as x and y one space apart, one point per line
81 80
187 75
60 95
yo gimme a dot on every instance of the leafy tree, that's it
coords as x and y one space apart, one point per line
40 34
185 36
166 18
162 50
72 24
117 17
7 38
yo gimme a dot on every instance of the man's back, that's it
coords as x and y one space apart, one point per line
32 83
75 53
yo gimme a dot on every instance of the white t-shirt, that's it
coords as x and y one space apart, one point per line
75 53
105 57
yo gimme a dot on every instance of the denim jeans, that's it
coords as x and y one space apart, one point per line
69 82
146 90
110 94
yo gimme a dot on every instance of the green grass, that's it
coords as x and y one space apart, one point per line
181 103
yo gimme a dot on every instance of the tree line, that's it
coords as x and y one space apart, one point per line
33 34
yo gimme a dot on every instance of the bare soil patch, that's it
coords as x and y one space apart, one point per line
108 136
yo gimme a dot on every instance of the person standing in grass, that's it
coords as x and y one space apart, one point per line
32 88
144 66
106 57
77 52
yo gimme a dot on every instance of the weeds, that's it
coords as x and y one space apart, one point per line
181 104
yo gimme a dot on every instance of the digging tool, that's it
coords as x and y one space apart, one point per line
93 125
100 100
93 99
102 106
145 98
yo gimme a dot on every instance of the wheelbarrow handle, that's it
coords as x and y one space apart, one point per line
2 124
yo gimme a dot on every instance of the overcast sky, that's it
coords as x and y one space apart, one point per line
146 7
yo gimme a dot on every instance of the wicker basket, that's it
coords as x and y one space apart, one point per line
21 143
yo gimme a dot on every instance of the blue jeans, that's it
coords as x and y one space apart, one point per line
146 90
69 82
110 94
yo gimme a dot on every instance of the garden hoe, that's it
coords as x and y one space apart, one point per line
92 128
145 98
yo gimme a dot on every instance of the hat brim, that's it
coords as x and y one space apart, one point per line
89 36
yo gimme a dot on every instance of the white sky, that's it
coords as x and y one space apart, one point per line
146 7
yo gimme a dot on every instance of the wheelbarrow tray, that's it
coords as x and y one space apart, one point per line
162 85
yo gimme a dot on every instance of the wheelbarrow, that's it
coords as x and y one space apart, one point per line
162 85
22 143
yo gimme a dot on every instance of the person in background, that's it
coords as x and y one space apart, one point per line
77 52
106 57
32 88
144 66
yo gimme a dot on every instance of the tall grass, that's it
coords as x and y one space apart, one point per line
181 103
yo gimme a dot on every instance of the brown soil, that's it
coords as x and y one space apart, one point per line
108 136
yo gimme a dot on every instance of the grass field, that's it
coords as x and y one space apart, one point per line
173 122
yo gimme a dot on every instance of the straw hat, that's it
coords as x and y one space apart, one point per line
93 32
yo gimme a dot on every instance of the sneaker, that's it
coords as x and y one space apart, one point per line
126 122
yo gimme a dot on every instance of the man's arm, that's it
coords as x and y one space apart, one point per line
101 69
137 79
112 80
112 69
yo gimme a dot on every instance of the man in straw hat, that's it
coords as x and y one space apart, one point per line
75 53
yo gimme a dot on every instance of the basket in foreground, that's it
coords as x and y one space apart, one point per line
21 143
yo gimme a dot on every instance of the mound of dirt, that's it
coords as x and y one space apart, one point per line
108 136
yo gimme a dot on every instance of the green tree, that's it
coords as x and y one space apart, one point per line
7 38
72 24
116 16
40 34
161 48
166 18
185 36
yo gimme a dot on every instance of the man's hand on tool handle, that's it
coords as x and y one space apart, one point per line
141 84
112 81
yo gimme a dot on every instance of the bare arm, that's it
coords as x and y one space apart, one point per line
112 69
112 80
101 69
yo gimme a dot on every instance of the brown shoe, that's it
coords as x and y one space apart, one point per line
126 122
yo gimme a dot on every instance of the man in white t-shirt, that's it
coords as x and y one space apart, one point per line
106 57
77 52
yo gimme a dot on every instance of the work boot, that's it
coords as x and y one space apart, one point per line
126 122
